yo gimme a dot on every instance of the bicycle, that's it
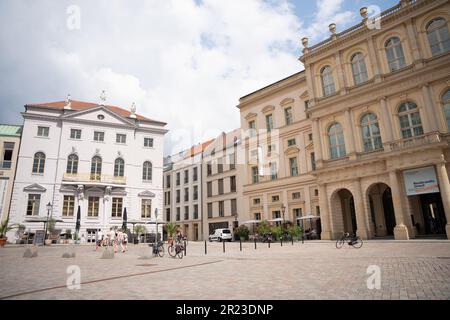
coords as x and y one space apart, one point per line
158 249
352 240
176 250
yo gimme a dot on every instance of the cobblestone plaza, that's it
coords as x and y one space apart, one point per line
313 270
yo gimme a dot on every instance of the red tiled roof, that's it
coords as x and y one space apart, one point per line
199 148
81 105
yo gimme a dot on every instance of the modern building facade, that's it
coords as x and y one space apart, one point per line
183 190
93 158
9 150
379 103
278 155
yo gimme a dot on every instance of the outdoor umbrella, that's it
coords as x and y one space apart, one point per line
78 224
125 218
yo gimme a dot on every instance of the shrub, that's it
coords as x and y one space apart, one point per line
242 231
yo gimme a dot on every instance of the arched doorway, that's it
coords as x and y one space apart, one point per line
382 209
343 209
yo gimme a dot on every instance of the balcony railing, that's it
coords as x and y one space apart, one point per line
428 138
5 165
93 177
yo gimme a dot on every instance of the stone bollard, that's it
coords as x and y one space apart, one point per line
108 253
69 253
206 250
30 252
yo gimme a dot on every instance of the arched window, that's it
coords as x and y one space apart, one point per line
359 69
438 36
72 164
371 132
119 167
326 75
394 54
39 162
410 122
96 168
446 102
337 142
147 171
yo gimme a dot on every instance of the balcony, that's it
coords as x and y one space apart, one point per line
408 143
94 178
5 165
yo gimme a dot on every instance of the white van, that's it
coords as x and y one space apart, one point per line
221 235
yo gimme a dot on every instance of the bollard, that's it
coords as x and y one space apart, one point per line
206 251
240 243
255 244
184 247
292 240
268 243
223 245
302 238
281 241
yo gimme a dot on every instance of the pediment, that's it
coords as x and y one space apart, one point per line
251 115
292 150
34 188
146 194
304 95
101 115
310 146
267 109
118 192
286 101
68 189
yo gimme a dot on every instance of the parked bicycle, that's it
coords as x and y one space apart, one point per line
158 249
352 240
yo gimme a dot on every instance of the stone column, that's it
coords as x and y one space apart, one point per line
374 59
340 72
431 109
444 187
362 228
325 218
349 136
380 227
400 230
317 143
386 118
412 39
308 209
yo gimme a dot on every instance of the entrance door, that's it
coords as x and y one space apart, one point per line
433 213
91 234
389 215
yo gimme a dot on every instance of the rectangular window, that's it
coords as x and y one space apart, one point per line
195 211
269 122
99 136
219 165
178 196
273 171
168 198
178 217
186 176
293 167
252 128
276 215
233 184
288 116
255 175
186 194
121 138
220 182
221 209
186 213
34 201
296 195
168 215
68 206
271 148
148 142
209 168
231 158
178 178
93 206
168 181
316 192
256 201
291 142
209 189
43 131
275 198
194 174
313 161
210 210
257 216
117 204
195 192
233 207
297 212
75 134
8 148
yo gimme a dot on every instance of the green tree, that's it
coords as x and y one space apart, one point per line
263 227
277 231
242 231
139 229
294 231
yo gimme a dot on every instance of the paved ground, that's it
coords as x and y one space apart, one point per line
314 270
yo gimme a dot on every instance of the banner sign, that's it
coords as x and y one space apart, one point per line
420 181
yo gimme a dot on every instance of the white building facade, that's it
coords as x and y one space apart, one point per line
97 159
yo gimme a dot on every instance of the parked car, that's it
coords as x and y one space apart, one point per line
221 235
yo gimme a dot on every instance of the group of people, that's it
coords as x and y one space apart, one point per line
114 238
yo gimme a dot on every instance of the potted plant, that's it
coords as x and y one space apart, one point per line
139 229
243 232
50 229
4 228
170 229
20 232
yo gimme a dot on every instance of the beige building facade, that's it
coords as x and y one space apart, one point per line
9 149
379 104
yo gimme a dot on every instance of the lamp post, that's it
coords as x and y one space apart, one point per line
49 208
283 210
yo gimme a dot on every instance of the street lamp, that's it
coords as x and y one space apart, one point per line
283 210
49 208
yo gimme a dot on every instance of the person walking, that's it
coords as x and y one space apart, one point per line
120 238
99 239
112 239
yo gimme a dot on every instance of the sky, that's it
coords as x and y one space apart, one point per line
184 62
